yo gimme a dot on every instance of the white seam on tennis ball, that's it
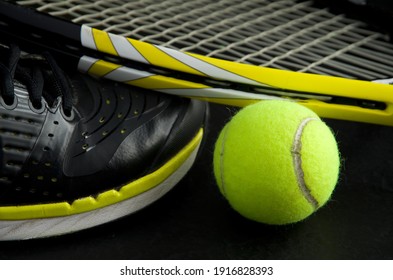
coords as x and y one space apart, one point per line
297 163
222 160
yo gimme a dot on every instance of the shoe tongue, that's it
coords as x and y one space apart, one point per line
83 99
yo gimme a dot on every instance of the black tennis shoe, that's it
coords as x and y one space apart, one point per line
77 152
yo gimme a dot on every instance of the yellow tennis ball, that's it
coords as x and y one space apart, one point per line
276 162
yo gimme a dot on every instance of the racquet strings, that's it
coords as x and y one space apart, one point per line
284 34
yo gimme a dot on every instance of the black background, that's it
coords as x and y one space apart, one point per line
193 221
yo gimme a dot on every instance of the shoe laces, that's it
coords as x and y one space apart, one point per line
30 72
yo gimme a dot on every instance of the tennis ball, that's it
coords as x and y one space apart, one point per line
276 162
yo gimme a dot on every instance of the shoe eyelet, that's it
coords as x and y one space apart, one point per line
68 117
9 106
38 110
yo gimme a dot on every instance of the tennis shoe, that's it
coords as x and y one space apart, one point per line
77 152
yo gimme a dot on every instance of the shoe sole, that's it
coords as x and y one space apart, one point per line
45 220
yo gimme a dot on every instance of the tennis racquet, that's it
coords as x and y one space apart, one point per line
215 79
